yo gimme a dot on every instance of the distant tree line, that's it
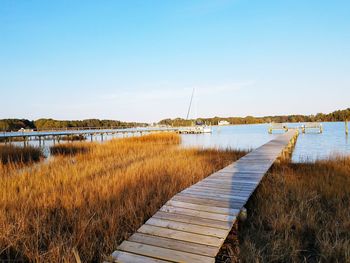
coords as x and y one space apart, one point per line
339 115
15 124
45 124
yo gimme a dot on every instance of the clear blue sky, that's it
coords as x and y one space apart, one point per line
140 60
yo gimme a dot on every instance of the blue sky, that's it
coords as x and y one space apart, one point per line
140 60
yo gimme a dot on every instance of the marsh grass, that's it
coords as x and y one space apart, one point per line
15 154
94 200
70 148
299 213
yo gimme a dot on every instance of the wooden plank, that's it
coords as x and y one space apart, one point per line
240 170
181 235
125 257
190 212
234 191
174 244
163 253
228 180
232 180
256 167
186 227
236 200
238 175
233 203
222 186
193 220
205 201
231 170
212 194
253 176
212 189
206 208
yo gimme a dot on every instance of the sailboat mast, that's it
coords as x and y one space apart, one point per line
189 108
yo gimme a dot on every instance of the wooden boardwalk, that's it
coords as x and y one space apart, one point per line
193 225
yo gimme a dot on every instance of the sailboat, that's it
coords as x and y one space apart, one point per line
199 127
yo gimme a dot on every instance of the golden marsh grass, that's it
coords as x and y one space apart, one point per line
15 154
93 200
299 213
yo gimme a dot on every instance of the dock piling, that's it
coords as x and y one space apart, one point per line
346 127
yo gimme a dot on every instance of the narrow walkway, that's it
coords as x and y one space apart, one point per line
193 225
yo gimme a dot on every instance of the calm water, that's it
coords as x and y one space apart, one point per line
309 147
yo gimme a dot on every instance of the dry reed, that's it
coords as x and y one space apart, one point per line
94 200
70 148
16 154
300 213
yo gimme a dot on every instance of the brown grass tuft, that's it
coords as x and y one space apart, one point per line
70 148
17 154
94 200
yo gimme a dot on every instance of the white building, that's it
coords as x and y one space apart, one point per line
221 123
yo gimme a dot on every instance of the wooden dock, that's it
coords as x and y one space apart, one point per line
277 127
312 127
57 135
193 225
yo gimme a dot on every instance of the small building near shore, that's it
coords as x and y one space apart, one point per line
222 123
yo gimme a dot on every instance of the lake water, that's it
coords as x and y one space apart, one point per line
309 146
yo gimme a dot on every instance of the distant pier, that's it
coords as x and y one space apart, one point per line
304 128
57 135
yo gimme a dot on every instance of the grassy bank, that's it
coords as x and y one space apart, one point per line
300 213
16 154
93 200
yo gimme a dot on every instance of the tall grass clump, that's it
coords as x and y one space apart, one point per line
300 213
94 200
70 148
17 154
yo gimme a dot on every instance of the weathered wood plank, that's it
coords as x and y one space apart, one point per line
233 202
125 257
174 244
205 208
236 190
208 193
190 212
193 220
187 227
206 201
223 186
181 235
229 181
163 253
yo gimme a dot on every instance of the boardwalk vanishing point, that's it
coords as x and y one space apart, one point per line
193 225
